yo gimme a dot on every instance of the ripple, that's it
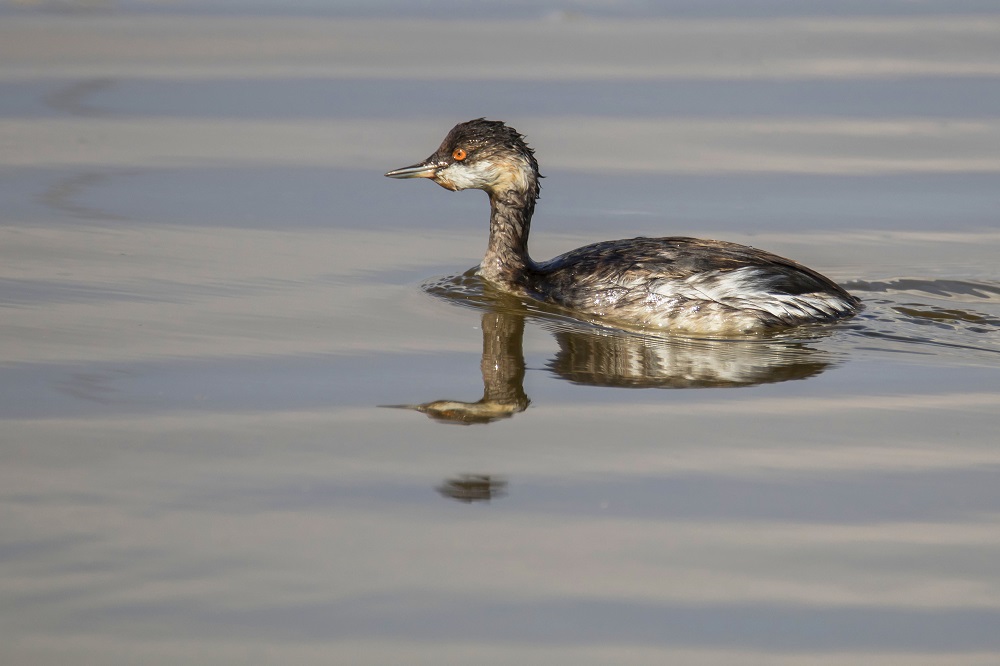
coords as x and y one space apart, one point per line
920 316
964 290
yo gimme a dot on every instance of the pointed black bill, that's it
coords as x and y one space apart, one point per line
426 169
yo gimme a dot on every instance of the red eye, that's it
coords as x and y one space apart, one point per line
459 154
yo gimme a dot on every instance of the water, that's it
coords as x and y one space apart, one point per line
213 306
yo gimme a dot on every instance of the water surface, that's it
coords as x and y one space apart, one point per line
210 300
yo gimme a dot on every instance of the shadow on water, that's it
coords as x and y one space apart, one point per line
469 488
63 194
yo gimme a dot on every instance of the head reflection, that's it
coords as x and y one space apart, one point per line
503 377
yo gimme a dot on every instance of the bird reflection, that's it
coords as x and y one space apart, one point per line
469 488
597 356
503 377
630 361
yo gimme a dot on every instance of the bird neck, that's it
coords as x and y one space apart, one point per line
507 260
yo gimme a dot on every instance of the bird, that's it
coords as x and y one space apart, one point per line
673 284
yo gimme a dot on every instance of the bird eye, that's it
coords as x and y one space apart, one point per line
459 154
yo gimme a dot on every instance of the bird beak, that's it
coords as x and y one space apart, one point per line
426 169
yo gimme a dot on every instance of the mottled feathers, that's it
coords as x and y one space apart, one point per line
680 284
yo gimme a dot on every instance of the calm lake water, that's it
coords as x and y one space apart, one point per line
212 301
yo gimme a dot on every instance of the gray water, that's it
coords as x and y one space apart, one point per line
255 411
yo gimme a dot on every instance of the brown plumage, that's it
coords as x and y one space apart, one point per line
679 284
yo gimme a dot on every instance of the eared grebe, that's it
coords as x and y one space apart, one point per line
678 284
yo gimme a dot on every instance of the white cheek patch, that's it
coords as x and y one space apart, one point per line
491 174
469 176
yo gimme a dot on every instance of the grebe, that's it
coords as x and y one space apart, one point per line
686 285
